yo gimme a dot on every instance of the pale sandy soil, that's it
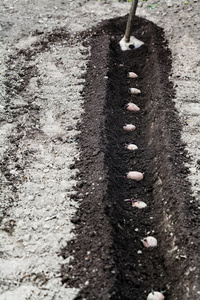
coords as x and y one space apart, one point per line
37 142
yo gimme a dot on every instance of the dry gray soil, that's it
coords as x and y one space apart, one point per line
42 60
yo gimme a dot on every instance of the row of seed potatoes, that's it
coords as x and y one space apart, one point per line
148 241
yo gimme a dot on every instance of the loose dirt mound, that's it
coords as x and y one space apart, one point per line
110 260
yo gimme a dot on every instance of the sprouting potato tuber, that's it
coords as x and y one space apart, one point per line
149 241
135 175
132 107
137 203
131 147
129 127
134 91
155 296
132 75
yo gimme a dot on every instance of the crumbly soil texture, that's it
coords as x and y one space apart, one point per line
110 261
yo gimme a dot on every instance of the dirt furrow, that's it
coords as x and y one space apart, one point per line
110 260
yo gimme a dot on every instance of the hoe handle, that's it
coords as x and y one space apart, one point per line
130 20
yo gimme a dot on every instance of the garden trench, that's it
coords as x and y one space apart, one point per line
110 261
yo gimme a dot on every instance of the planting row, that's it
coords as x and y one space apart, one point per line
149 241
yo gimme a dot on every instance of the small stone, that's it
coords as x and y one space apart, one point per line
46 226
27 238
34 227
30 198
13 172
169 3
193 170
183 256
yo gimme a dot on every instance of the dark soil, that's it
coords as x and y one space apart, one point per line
106 262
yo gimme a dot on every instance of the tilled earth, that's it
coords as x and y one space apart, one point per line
109 258
66 231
